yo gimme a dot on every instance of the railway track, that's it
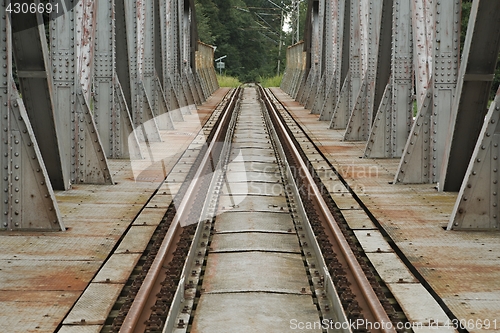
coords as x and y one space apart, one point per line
253 243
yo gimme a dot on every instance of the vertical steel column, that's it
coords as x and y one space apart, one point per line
71 52
374 32
477 205
184 46
111 115
392 123
351 85
28 201
318 51
477 71
152 87
142 112
167 25
334 22
33 71
424 149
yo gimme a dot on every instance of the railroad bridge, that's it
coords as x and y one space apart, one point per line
107 105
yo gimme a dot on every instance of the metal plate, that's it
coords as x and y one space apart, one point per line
327 174
118 268
254 241
357 219
345 201
253 188
271 159
253 151
242 313
80 329
254 221
34 311
250 132
255 271
94 304
252 203
334 185
160 200
251 144
150 216
40 275
372 241
248 140
55 247
253 166
390 268
417 304
136 239
241 176
171 187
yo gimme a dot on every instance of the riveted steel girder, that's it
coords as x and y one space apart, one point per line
477 205
424 149
393 119
477 70
375 48
28 201
31 58
112 118
71 51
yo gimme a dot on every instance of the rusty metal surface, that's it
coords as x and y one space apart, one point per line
242 272
254 221
269 312
42 275
41 313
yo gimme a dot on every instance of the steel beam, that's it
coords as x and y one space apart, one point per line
477 205
337 23
166 76
424 149
28 201
153 90
477 70
71 50
393 119
32 63
340 115
376 18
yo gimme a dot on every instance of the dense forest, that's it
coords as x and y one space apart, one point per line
249 33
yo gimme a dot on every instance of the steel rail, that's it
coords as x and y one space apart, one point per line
143 295
364 285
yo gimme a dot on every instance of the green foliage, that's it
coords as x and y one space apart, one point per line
268 82
228 81
249 32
